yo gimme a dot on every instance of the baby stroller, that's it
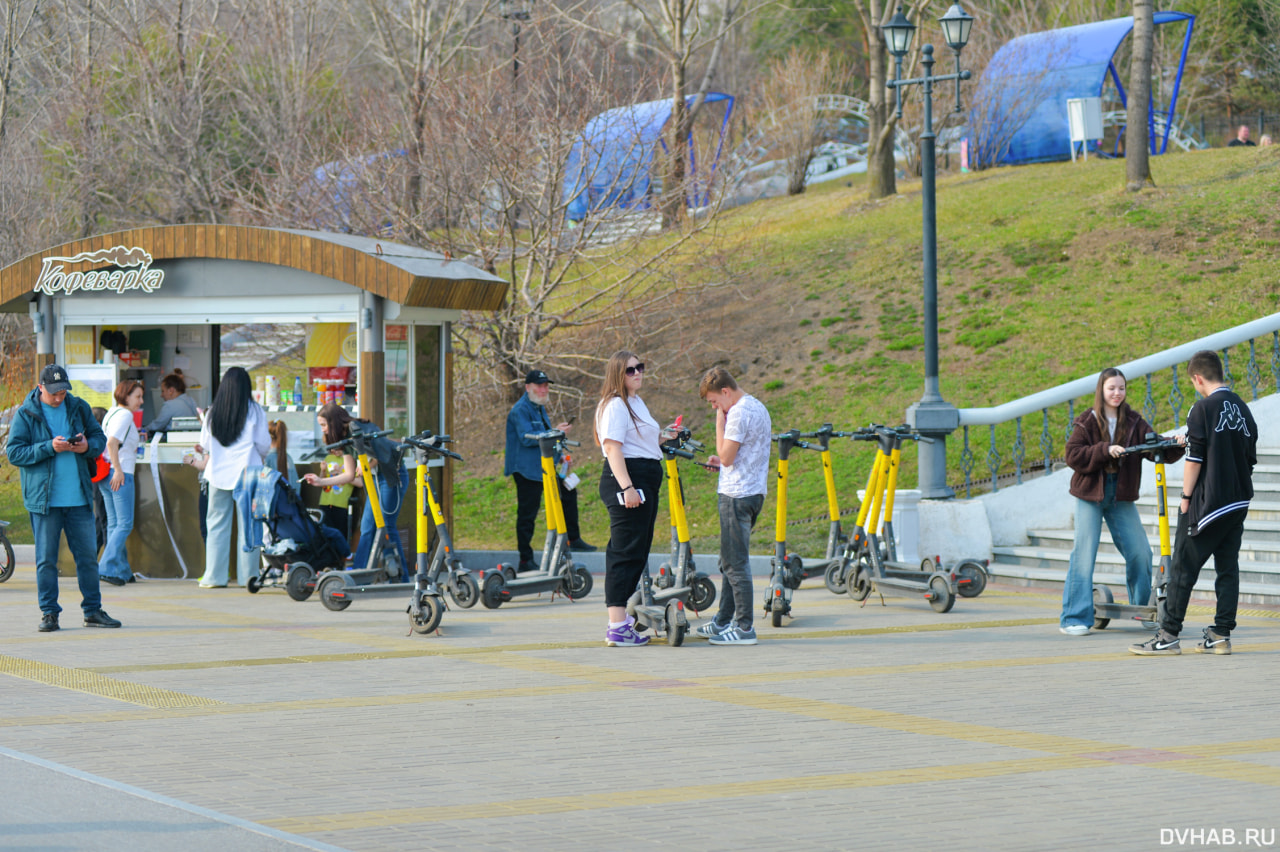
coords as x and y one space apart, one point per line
295 546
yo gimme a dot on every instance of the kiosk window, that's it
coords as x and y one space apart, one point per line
396 381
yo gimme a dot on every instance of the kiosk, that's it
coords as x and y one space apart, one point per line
314 317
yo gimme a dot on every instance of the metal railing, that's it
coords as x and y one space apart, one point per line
1163 393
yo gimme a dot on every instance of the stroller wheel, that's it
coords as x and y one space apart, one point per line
254 585
301 582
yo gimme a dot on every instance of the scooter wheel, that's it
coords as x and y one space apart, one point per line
775 617
677 625
301 582
704 593
942 598
10 564
1101 594
428 617
465 591
254 585
971 579
330 585
833 577
491 592
860 586
509 572
579 583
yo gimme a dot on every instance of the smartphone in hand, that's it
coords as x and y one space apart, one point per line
75 439
622 497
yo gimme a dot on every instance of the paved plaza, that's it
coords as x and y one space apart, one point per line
219 720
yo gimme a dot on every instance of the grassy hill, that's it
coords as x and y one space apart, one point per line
1046 273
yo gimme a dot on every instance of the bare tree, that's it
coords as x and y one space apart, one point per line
792 94
1137 165
16 18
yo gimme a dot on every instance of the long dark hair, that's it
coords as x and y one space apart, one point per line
337 422
280 443
615 384
230 409
1100 404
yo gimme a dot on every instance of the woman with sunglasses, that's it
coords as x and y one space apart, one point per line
628 435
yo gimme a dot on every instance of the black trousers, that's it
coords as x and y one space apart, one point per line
630 530
529 502
1221 540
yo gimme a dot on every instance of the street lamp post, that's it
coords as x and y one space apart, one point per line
515 11
932 416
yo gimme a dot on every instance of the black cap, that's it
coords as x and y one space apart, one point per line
53 378
537 377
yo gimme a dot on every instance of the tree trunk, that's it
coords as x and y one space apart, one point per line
673 194
881 167
1136 139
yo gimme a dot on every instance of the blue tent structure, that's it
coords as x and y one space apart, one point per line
610 164
1054 66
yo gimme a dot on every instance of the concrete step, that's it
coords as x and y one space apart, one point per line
1251 592
1251 548
1056 558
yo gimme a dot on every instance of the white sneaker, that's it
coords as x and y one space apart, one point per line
1076 630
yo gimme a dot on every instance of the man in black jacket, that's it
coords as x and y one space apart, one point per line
1217 485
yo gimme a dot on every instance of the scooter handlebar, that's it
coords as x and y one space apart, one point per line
1153 442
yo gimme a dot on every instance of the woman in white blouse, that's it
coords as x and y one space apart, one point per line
117 490
235 437
629 483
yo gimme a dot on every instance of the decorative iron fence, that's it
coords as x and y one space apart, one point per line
1250 358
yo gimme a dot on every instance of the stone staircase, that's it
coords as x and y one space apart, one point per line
1043 560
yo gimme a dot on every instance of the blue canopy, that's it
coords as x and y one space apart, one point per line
1049 68
610 163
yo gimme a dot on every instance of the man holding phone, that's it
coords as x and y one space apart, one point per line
524 466
52 441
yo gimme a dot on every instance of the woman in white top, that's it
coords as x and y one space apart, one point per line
117 489
629 485
235 437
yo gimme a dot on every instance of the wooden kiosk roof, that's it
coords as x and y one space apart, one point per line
411 276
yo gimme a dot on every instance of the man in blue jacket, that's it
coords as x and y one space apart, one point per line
52 439
524 466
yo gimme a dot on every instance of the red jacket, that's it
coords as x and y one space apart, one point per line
1087 455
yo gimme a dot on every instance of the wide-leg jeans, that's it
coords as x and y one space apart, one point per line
1130 539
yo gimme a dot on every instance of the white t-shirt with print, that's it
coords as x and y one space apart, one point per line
748 424
119 424
639 438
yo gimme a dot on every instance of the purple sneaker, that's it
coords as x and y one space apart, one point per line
623 636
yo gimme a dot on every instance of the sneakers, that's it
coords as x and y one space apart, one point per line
706 631
48 622
115 581
526 565
624 636
1076 630
734 635
205 585
1162 644
99 618
581 546
1214 643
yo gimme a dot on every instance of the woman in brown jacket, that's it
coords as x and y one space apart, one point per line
1105 485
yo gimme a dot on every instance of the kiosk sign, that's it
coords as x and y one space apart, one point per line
133 272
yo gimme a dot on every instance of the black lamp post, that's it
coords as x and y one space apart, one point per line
515 11
931 416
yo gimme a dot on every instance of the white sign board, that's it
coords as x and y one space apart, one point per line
1084 120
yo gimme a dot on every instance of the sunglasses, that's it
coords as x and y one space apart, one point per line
638 368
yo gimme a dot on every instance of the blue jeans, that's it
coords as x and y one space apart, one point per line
217 545
119 506
77 523
1130 539
391 492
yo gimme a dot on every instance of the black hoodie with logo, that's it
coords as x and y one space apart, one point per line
1223 437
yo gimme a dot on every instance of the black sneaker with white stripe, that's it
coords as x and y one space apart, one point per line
1161 645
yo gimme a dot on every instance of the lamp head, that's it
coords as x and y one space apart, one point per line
956 24
897 34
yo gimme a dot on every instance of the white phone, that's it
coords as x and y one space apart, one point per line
622 497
